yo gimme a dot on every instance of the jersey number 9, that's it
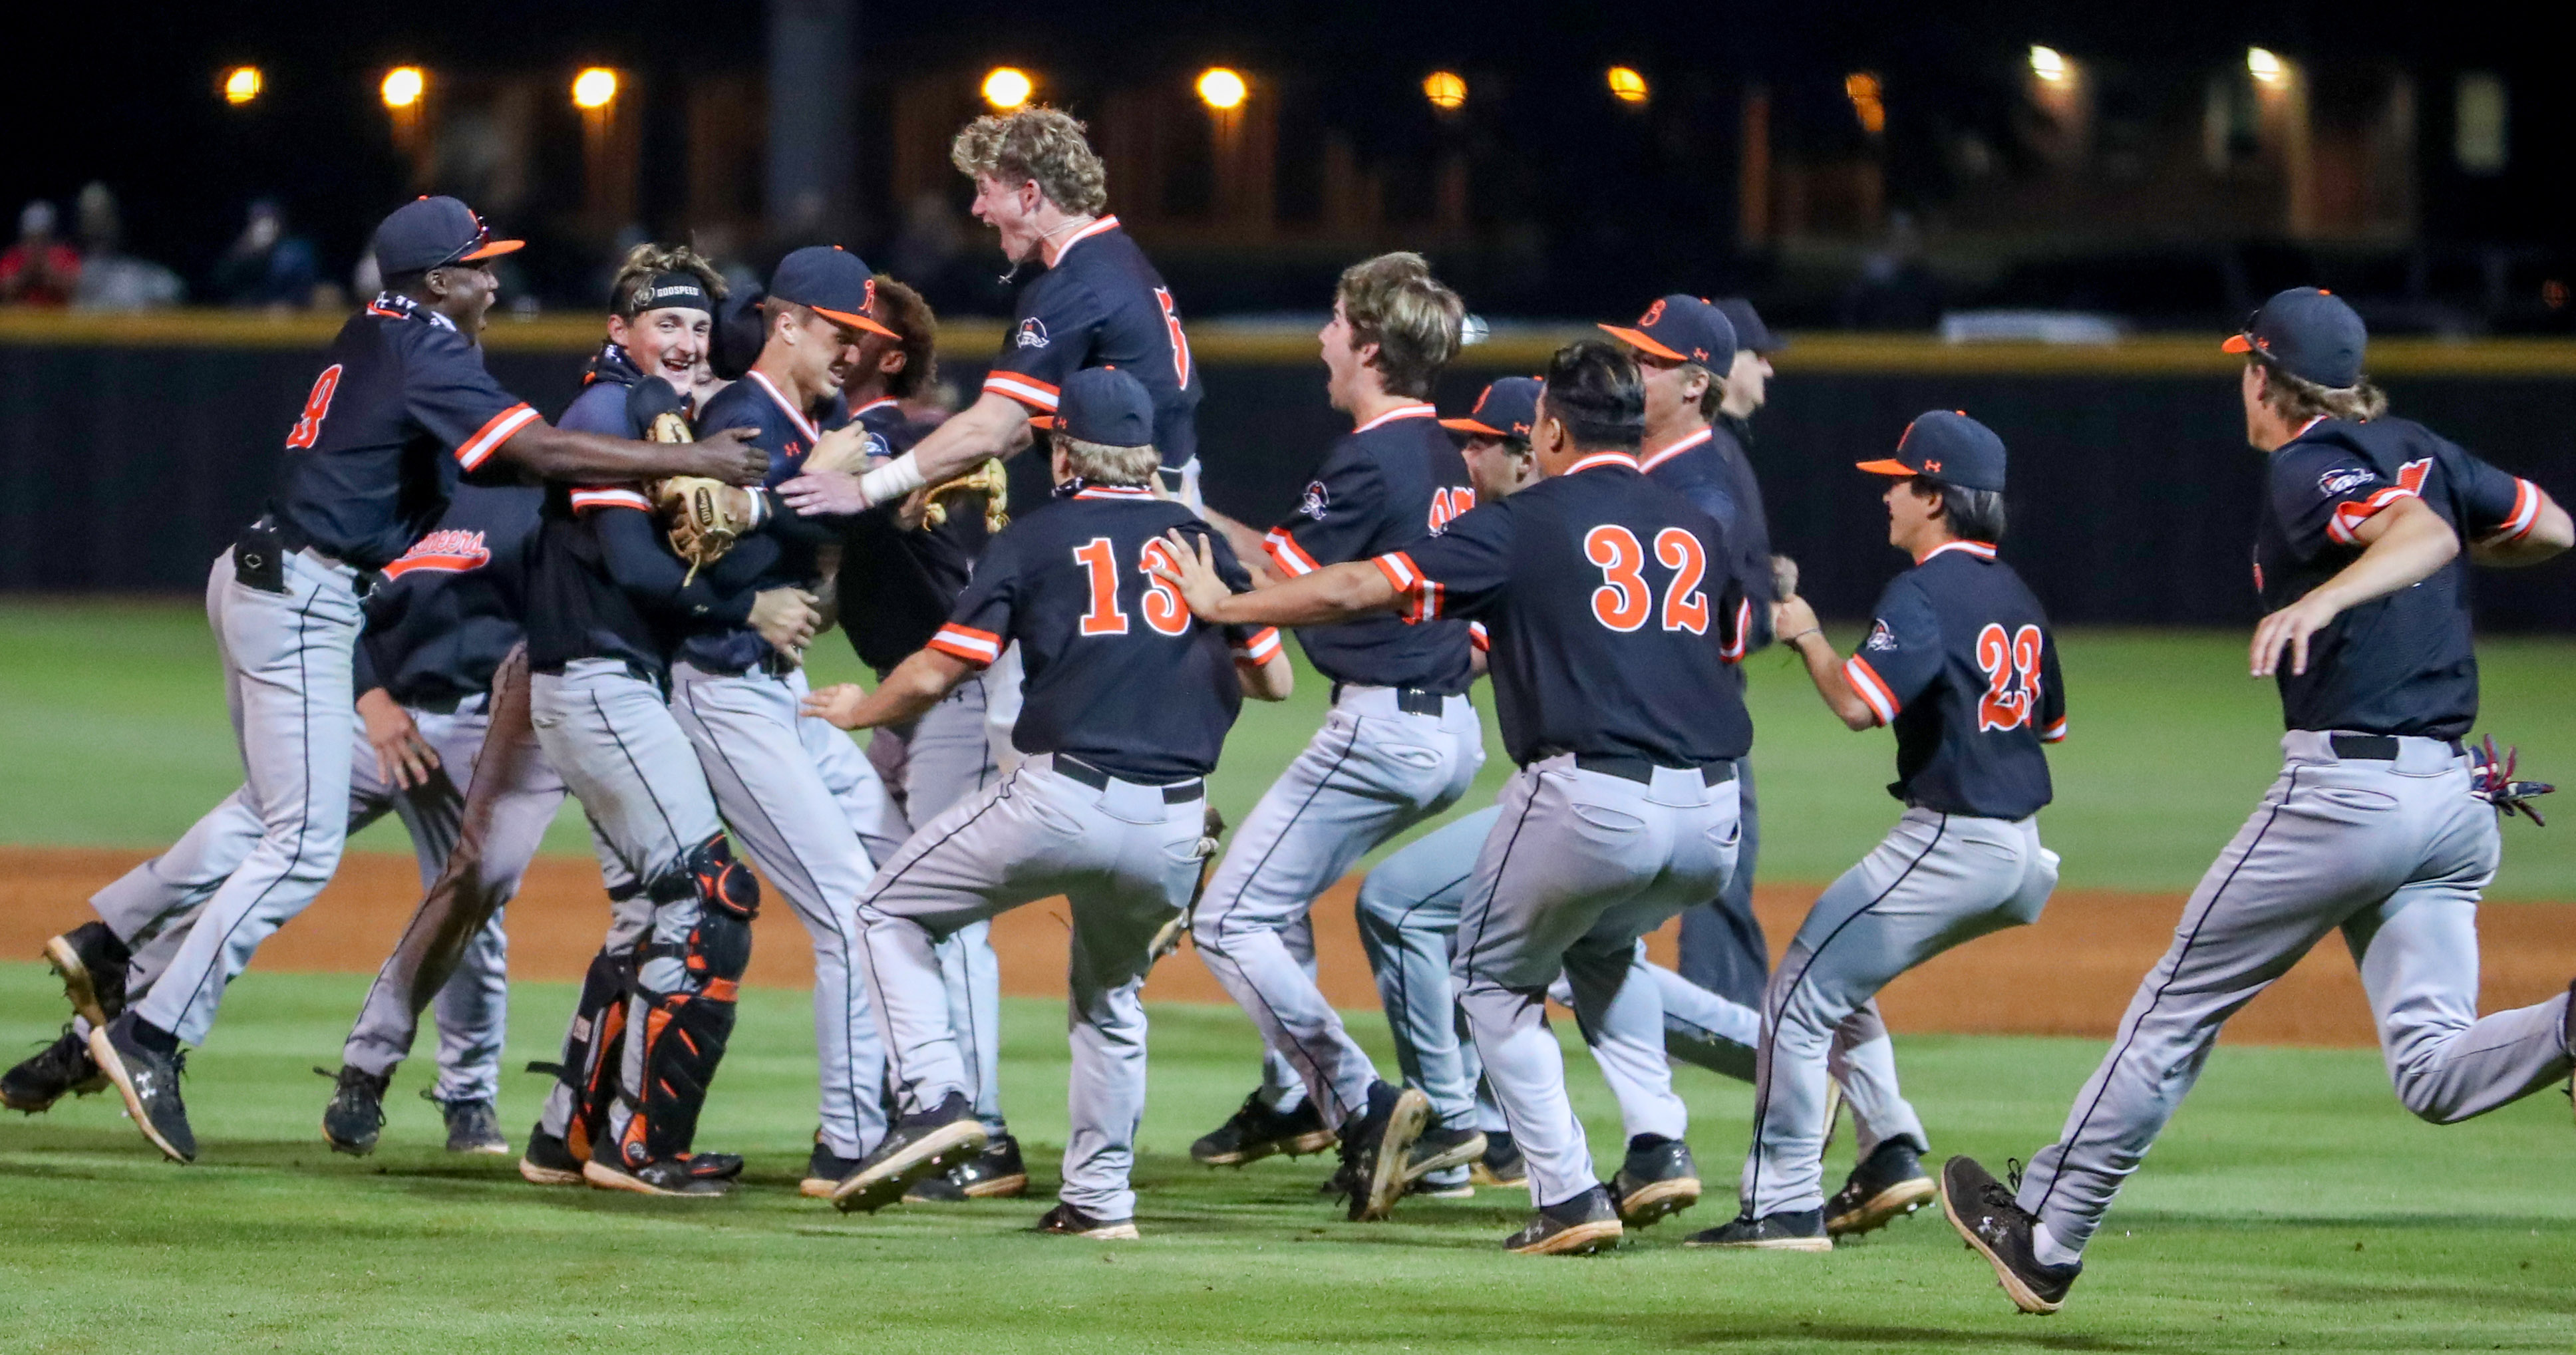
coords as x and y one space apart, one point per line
1623 601
1163 608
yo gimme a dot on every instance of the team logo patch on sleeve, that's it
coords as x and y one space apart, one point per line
1880 637
1317 501
2346 480
1032 334
448 552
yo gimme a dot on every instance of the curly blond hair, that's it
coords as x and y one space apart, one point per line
648 261
1040 143
1394 302
2297 399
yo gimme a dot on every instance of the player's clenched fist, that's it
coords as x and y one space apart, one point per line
838 703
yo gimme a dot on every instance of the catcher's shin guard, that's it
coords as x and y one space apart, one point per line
685 1003
594 1045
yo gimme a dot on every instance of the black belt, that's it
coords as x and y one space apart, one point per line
1639 770
1410 700
258 555
1075 769
2375 747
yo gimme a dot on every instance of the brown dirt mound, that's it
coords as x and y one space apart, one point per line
2072 974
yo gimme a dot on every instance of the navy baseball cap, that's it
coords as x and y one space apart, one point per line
1106 406
1506 409
1947 446
427 233
2308 332
1683 328
831 282
1750 332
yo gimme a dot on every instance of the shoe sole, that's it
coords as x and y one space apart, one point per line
606 1177
1115 1232
1387 1180
1805 1244
495 1148
352 1148
1303 1145
1467 1192
1659 1201
1469 1151
873 1188
816 1187
536 1175
103 1053
78 986
1583 1239
1884 1208
2020 1293
1483 1175
1006 1188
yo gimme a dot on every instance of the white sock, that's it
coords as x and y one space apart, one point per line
2050 1251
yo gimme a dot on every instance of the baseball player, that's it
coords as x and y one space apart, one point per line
401 410
1402 743
1960 661
1126 707
898 579
2381 824
1613 610
1094 301
437 629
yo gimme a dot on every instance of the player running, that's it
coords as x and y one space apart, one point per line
1095 301
1613 611
1127 705
2381 824
1961 663
401 410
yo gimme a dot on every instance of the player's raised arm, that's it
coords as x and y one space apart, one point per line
1343 592
551 453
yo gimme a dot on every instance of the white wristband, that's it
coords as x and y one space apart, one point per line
892 480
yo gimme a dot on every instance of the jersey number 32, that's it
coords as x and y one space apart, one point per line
1623 602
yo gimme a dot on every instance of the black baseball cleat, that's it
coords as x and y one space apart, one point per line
1502 1164
44 1076
1376 1148
1067 1221
1657 1180
356 1114
548 1162
1577 1227
1788 1230
473 1127
994 1174
1888 1185
918 1145
824 1170
91 963
1256 1131
1442 1149
1451 1183
1985 1213
690 1176
148 1079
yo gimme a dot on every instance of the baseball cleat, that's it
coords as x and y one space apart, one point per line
1377 1147
824 1170
148 1080
996 1173
1451 1184
1985 1213
1577 1227
548 1162
356 1114
473 1127
917 1146
1657 1180
700 1176
1788 1230
91 963
1255 1131
1066 1221
1442 1150
44 1076
1502 1164
1887 1186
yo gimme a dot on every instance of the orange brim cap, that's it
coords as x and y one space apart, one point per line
854 320
492 249
1473 426
1885 467
2237 343
1636 338
1044 423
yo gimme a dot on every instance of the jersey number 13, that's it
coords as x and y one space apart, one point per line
1163 608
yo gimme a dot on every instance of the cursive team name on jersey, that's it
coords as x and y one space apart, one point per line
449 552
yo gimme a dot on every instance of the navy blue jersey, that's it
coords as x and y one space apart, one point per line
896 587
1710 469
1119 673
603 582
449 609
1960 660
2400 664
1612 612
401 410
784 553
1101 304
1381 487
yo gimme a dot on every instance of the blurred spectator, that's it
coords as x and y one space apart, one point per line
111 280
38 270
1895 290
266 267
927 250
720 244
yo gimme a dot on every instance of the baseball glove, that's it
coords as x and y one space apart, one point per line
988 479
1211 834
703 518
2491 780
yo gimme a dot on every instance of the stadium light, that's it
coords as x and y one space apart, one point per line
2050 65
1446 90
403 86
1862 89
2267 67
594 88
1626 85
1222 89
1007 88
242 84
